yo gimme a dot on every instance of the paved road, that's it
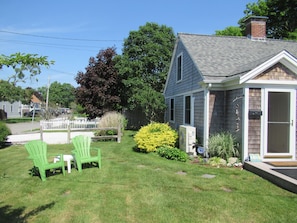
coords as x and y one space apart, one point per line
24 132
24 127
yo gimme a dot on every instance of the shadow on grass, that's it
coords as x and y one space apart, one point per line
34 172
10 214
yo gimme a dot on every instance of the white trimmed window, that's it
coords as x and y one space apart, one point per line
187 111
171 114
179 67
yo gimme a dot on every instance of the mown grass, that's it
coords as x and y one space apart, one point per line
19 120
137 187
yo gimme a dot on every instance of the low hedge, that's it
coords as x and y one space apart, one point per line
4 132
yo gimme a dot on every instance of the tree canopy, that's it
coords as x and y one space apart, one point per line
99 89
143 68
24 65
61 95
281 23
9 92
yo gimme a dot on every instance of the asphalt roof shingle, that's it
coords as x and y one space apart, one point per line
218 57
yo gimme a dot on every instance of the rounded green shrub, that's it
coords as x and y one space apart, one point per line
155 135
4 132
172 153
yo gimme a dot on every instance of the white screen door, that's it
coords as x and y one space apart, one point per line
280 122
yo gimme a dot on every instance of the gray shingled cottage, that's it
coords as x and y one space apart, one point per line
244 85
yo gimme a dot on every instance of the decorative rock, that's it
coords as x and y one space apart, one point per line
232 160
209 176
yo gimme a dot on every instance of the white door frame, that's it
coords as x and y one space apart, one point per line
264 125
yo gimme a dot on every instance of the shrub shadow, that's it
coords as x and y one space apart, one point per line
10 214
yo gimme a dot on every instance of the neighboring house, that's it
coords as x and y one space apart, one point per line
17 109
244 85
13 110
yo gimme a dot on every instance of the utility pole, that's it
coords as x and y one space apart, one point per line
47 95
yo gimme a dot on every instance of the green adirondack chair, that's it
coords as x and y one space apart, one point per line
82 152
37 150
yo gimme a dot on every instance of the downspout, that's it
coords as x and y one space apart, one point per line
245 124
206 116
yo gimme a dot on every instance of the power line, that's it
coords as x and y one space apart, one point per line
53 45
61 38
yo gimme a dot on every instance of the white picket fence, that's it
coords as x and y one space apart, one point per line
78 124
65 124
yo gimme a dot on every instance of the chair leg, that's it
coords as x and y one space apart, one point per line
42 175
79 166
63 170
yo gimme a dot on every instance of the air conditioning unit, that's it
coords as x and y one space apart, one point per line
187 139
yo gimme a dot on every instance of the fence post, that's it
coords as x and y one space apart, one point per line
41 133
68 132
119 134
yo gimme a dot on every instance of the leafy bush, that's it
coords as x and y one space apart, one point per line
222 145
111 119
172 153
4 132
155 135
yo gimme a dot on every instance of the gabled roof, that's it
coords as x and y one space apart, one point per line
221 57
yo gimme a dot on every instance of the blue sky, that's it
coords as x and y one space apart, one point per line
71 31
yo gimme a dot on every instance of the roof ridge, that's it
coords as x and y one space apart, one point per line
234 37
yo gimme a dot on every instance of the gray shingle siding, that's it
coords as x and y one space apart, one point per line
190 75
199 115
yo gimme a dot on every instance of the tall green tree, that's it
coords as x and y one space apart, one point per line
9 92
61 95
282 19
143 68
281 23
99 89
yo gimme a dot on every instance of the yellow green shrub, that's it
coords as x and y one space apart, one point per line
155 135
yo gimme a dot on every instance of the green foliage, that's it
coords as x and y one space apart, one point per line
216 161
155 135
24 63
99 89
281 23
151 101
229 31
143 67
172 153
111 119
59 94
11 93
281 15
222 145
4 132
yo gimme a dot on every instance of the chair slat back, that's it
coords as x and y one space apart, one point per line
82 145
37 150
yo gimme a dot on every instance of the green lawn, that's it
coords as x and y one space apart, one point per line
137 187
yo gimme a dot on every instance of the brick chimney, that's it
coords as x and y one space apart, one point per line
256 27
